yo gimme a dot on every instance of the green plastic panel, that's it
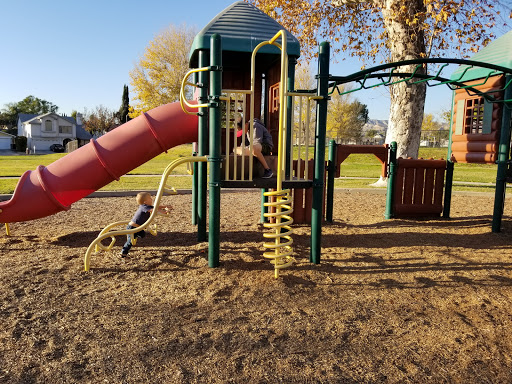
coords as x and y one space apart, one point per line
487 121
459 117
498 52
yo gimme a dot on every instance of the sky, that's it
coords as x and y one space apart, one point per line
78 54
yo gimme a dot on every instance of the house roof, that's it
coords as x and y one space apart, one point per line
498 52
242 27
6 134
29 117
69 118
82 134
24 117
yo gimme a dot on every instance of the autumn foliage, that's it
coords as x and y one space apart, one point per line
392 31
360 27
156 78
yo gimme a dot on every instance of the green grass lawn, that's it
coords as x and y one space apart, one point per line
147 183
157 165
17 165
357 165
360 165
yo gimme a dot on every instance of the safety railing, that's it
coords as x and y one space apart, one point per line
302 126
236 110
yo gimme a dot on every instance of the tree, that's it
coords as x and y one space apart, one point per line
392 30
29 105
346 118
430 123
156 78
433 131
371 133
100 120
125 106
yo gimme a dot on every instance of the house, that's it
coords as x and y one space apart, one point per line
6 140
50 128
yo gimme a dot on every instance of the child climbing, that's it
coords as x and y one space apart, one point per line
262 144
142 215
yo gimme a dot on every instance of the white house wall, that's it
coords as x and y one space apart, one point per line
21 129
35 130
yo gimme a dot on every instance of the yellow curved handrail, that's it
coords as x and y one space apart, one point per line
106 233
184 101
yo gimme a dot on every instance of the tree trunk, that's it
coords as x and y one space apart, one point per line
407 101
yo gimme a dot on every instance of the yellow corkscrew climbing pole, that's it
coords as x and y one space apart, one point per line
280 249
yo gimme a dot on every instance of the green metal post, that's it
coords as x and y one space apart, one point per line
448 189
503 156
215 156
391 180
450 132
202 148
194 175
291 86
331 170
448 186
194 191
318 175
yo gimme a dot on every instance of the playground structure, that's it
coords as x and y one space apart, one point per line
238 78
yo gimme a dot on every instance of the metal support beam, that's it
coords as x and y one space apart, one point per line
215 156
318 177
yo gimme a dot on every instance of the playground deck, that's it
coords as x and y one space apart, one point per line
393 300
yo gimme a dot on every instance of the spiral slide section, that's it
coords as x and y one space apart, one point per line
52 189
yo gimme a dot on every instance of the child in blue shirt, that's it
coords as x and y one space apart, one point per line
142 215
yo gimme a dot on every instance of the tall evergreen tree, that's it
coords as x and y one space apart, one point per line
125 106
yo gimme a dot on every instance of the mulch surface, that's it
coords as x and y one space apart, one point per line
393 301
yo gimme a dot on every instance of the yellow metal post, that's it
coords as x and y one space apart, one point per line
280 249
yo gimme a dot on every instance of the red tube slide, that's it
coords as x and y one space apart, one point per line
52 189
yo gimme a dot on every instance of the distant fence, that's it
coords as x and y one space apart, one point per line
72 146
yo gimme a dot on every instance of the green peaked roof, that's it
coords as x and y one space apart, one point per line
498 52
242 27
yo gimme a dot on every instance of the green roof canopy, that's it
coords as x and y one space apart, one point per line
498 52
242 27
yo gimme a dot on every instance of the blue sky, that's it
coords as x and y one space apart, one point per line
79 54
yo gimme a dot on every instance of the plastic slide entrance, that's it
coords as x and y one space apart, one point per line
52 189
